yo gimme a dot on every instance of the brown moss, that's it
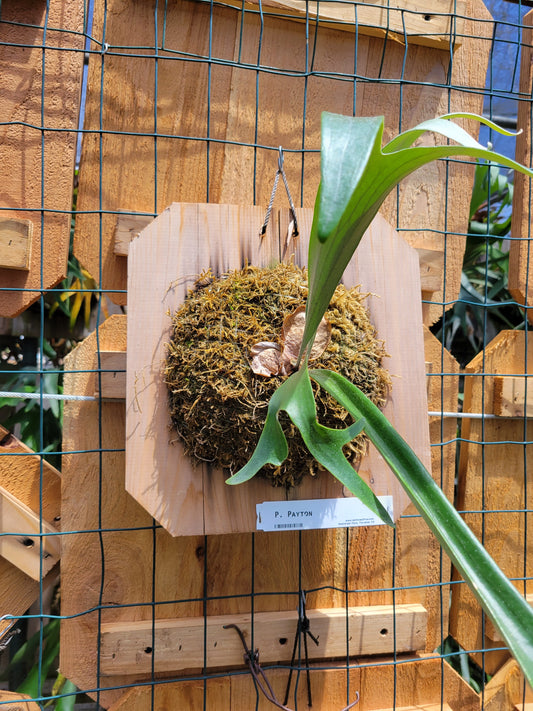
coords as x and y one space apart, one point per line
217 404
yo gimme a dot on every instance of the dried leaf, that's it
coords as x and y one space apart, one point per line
265 358
291 337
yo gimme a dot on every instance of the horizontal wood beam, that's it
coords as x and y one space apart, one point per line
423 22
131 647
22 532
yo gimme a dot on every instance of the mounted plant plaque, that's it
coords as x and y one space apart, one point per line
189 496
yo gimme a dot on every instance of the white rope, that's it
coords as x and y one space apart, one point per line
45 396
431 413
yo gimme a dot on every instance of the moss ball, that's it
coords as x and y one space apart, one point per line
218 405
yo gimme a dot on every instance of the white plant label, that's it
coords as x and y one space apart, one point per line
317 513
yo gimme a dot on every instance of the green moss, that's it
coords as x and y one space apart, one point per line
218 405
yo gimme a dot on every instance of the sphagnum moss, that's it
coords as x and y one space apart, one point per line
218 405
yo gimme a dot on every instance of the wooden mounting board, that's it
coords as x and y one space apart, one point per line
189 498
520 257
492 476
253 112
224 568
408 685
38 88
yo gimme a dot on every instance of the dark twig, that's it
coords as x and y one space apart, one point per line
251 659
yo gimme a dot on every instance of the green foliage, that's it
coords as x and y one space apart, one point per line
356 176
27 415
485 305
36 657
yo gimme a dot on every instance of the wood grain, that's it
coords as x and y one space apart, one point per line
225 570
15 244
13 701
494 468
513 397
25 550
413 684
111 383
186 497
428 24
252 112
39 88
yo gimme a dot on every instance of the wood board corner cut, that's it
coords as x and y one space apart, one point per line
164 262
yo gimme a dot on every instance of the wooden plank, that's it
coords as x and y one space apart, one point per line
520 259
111 383
20 474
494 469
181 243
86 507
39 89
256 112
13 701
213 694
223 570
126 229
506 689
15 244
510 397
171 645
416 684
25 549
421 707
431 269
425 23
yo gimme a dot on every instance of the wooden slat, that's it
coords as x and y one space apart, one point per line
420 707
426 23
38 88
24 549
126 229
15 244
118 169
186 497
111 383
130 648
431 269
21 475
510 396
13 701
495 466
506 688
